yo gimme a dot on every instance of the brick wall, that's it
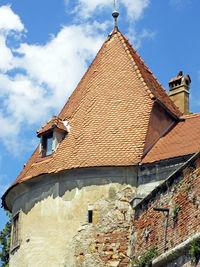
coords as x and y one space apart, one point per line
181 195
112 248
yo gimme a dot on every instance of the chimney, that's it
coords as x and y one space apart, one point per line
179 91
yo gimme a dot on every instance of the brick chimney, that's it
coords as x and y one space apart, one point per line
179 91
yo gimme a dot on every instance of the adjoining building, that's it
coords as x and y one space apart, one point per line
119 136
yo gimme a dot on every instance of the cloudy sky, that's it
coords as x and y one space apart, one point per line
46 46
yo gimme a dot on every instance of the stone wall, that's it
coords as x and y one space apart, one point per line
164 230
107 241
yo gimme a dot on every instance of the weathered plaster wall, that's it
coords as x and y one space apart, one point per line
159 171
181 195
151 175
54 228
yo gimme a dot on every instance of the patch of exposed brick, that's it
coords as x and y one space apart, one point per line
107 242
183 198
113 247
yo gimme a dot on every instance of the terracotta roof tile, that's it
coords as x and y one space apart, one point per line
183 139
148 79
108 113
55 122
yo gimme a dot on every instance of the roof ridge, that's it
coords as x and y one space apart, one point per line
123 41
190 116
155 90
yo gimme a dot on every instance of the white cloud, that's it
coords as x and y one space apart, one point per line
9 20
87 8
38 82
10 23
135 8
61 62
148 34
136 38
20 96
6 58
44 77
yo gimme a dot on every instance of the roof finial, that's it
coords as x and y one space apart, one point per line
115 13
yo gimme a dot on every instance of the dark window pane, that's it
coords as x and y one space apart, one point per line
90 214
49 142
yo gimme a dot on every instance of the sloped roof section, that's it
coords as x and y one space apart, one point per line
108 113
182 140
150 82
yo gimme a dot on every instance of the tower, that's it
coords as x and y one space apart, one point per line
72 202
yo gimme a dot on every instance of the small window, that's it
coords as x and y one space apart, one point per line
47 141
90 216
15 230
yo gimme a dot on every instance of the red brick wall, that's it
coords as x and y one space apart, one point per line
182 195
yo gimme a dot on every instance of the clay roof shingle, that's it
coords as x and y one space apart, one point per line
182 140
55 122
150 82
108 113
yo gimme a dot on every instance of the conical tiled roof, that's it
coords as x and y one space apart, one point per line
108 113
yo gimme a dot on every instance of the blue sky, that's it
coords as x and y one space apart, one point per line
46 46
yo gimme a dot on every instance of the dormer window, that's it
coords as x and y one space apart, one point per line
51 134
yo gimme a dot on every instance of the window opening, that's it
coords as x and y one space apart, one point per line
47 141
90 216
15 229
